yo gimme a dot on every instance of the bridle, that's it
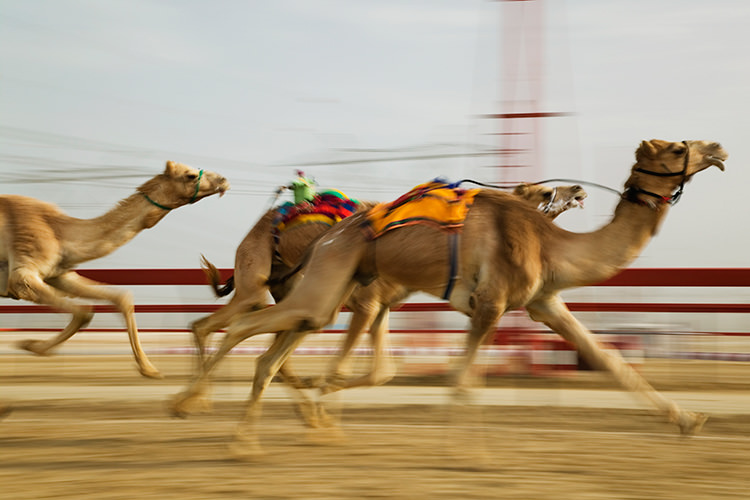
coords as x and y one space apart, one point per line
671 200
192 198
548 206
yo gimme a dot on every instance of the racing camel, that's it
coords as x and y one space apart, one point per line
40 246
260 256
510 256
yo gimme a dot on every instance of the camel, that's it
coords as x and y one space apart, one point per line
255 263
510 256
40 246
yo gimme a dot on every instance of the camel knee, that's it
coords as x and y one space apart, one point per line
199 329
19 286
537 314
312 323
84 315
4 274
123 302
382 375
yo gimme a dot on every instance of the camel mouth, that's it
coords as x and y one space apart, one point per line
716 161
222 188
577 200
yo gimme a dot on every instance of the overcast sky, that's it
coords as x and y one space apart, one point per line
95 96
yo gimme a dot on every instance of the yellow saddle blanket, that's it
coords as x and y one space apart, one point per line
434 203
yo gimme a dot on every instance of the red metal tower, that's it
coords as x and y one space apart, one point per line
519 122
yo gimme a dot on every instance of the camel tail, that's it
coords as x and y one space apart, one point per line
214 278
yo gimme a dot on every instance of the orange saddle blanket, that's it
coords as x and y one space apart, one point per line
435 203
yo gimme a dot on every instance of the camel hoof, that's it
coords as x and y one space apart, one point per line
329 436
326 420
462 396
333 383
691 423
246 450
309 413
329 388
246 445
183 405
150 372
5 411
33 346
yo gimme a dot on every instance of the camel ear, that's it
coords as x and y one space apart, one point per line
647 149
170 169
521 189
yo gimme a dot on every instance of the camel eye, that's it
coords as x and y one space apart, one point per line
679 151
547 195
191 177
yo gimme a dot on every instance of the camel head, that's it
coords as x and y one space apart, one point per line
662 168
552 201
180 185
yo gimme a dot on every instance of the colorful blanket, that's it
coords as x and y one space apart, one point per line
435 203
327 207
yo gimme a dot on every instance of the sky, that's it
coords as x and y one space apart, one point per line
369 97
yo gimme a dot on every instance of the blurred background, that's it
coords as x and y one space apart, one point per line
373 98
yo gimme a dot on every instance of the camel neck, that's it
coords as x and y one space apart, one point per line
590 258
94 238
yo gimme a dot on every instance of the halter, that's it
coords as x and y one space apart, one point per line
192 198
672 200
548 206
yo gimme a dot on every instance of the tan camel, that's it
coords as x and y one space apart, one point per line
510 257
255 262
371 304
40 246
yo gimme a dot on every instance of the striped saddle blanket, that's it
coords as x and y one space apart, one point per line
327 207
434 203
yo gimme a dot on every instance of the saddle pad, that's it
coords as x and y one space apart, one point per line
434 203
327 207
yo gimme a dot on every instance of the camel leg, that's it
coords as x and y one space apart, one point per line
311 305
340 367
279 318
300 311
74 284
246 443
205 326
309 410
484 317
382 369
32 288
554 313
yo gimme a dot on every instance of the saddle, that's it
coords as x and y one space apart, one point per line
435 203
327 207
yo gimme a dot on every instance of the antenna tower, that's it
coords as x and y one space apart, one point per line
519 122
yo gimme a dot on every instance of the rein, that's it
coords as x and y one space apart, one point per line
672 200
192 198
512 186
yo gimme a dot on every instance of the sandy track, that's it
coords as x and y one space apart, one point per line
90 428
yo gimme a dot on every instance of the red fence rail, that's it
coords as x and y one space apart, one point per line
638 277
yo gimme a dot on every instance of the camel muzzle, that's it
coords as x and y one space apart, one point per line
716 161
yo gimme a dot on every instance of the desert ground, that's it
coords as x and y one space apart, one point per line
88 426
